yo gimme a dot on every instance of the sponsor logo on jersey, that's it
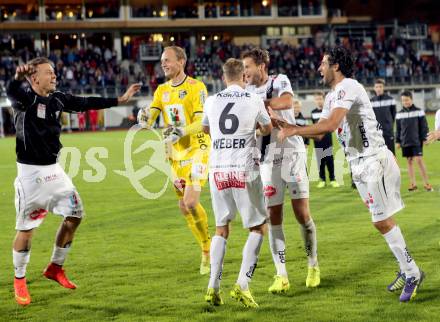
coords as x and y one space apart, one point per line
182 94
38 214
41 111
364 138
269 191
166 97
226 180
202 97
341 94
233 94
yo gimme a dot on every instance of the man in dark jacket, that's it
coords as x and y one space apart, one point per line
323 147
412 131
384 107
41 184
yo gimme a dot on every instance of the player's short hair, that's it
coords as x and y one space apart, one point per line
258 55
319 93
341 56
179 51
233 69
380 81
39 61
407 94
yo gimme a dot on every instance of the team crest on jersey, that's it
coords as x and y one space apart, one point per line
41 111
341 94
166 97
182 94
283 84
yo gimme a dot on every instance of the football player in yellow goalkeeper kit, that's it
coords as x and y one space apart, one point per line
180 100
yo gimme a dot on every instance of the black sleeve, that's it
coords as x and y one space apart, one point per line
423 128
19 97
398 131
80 104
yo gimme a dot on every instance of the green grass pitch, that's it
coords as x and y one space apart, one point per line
135 260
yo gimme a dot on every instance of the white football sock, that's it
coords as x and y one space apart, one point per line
20 261
250 258
308 232
59 255
396 242
278 248
217 253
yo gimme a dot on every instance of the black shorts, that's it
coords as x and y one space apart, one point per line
412 151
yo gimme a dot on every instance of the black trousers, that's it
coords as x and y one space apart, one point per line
325 159
389 141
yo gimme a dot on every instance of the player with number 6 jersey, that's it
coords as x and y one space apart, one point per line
231 117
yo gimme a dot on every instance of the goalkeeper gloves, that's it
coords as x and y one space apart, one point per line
143 117
173 134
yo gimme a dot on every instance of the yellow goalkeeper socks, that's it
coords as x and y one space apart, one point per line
201 223
190 221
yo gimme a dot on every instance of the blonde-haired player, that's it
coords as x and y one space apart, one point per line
180 100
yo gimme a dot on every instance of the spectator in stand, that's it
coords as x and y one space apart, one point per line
81 121
93 119
412 131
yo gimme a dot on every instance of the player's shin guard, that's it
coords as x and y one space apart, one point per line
20 260
278 248
201 224
59 255
217 253
308 232
250 258
397 244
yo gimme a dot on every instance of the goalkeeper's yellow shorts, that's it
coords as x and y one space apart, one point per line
189 172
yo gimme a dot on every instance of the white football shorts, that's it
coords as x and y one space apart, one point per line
291 172
232 192
377 179
40 189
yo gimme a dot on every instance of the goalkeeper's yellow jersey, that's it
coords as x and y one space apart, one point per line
182 105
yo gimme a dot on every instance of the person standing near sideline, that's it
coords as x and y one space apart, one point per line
384 107
323 148
412 131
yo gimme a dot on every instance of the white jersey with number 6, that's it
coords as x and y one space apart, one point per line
232 116
234 176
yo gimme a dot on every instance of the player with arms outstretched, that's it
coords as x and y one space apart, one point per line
41 184
348 111
283 166
180 100
231 117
